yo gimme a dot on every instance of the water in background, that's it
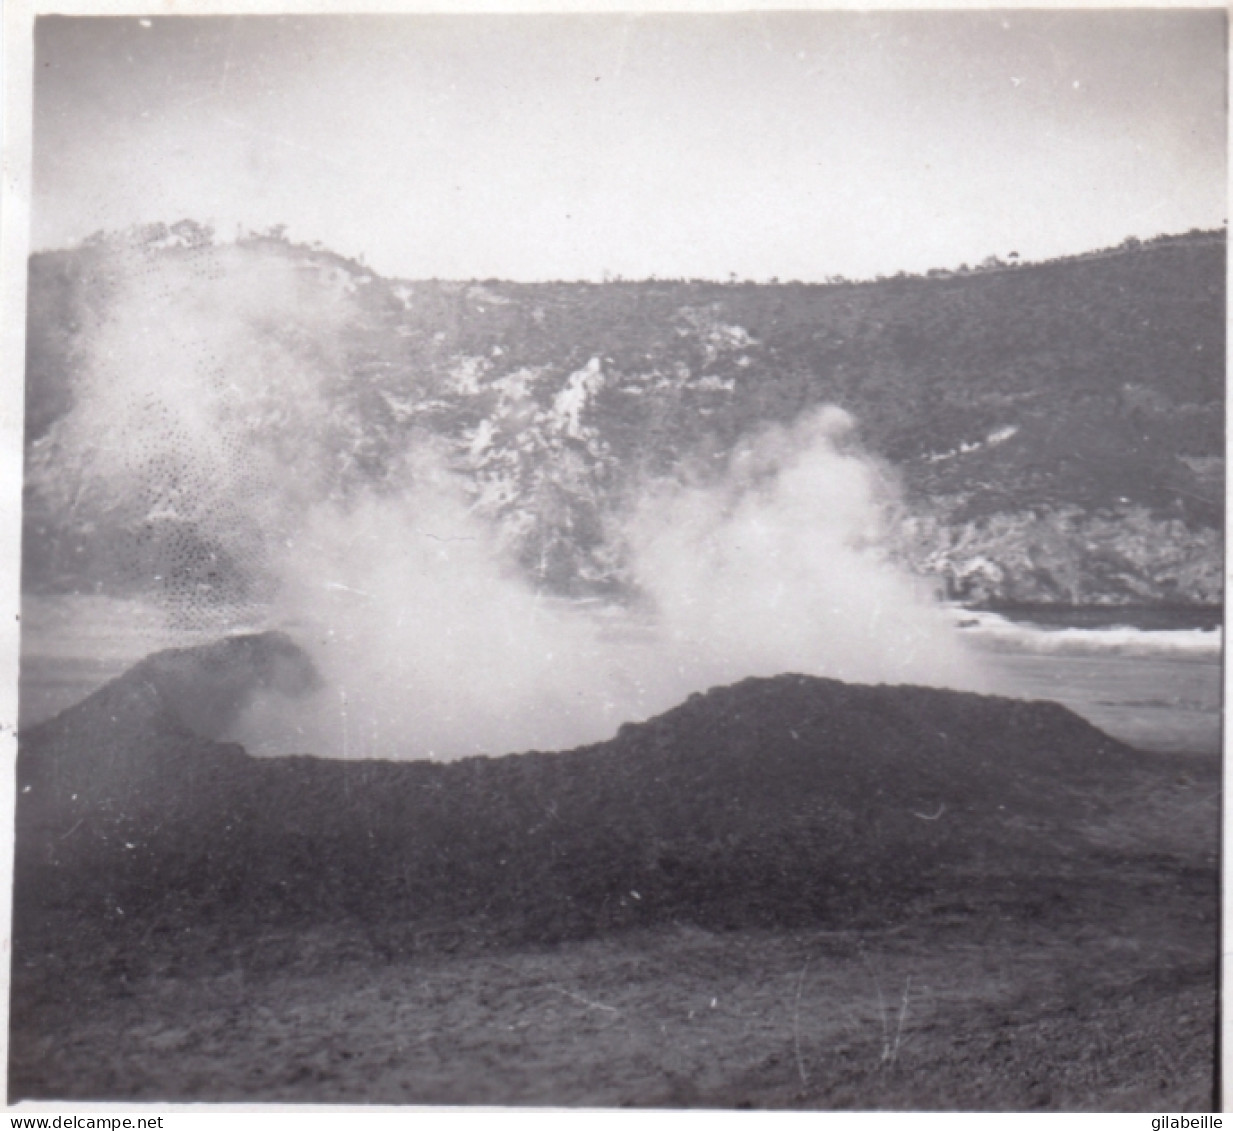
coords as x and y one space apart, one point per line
1149 677
72 645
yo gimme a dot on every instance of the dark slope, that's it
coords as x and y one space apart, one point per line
770 802
1111 365
1120 353
192 923
1062 420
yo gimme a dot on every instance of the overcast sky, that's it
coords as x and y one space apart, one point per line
795 145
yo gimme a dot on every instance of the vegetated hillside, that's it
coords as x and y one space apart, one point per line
771 802
1056 428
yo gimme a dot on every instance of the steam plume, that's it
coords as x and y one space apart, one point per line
210 401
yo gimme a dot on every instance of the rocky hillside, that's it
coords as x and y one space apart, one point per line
1047 432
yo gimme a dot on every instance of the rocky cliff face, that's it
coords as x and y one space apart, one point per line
1047 432
1064 555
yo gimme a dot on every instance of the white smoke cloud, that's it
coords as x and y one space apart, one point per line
208 392
430 641
434 644
780 567
199 398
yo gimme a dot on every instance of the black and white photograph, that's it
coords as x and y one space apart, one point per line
628 559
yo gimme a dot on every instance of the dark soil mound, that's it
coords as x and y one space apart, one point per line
770 802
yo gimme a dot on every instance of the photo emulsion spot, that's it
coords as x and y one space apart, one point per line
583 560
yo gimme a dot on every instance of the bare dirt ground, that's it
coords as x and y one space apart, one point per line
789 893
956 1008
